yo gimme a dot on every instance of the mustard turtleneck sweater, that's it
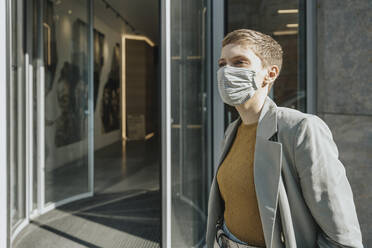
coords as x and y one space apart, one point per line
235 181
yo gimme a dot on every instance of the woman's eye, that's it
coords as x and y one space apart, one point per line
239 62
220 65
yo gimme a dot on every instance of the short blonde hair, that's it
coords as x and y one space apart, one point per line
263 45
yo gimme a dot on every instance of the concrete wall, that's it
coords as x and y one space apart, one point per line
344 93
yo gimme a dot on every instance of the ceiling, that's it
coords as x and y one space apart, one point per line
141 14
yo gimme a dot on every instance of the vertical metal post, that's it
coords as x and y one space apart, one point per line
4 70
29 107
40 110
209 94
20 112
90 98
311 56
166 124
218 122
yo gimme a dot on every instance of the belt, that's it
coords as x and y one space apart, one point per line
223 241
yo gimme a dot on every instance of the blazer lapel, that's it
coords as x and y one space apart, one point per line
267 165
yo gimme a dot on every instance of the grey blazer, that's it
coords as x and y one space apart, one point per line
310 203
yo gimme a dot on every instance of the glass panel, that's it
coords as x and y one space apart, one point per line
36 62
284 21
17 147
188 149
65 60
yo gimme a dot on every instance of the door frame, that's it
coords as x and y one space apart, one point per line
21 117
165 187
125 37
4 162
7 233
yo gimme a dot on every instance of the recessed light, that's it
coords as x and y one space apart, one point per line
292 25
287 11
285 32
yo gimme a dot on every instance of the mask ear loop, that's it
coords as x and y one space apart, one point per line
253 75
268 82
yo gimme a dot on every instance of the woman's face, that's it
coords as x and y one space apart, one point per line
243 56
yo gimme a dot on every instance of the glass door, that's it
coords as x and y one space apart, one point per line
63 75
17 117
50 106
185 165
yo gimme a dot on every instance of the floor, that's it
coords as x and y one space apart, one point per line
124 212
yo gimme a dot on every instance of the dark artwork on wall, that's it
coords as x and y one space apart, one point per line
72 90
72 94
81 31
111 95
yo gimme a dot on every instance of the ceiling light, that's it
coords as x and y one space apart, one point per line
285 32
292 25
139 37
287 11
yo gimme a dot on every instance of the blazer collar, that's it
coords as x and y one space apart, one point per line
267 165
267 120
266 127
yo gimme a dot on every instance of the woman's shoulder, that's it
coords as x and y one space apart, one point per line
293 119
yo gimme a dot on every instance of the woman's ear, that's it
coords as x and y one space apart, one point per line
273 73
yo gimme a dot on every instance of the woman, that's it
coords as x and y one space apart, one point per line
279 182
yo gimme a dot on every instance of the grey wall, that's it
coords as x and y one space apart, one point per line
344 93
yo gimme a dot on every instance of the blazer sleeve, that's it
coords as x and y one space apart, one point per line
324 185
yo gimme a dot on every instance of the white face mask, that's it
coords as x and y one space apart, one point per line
236 84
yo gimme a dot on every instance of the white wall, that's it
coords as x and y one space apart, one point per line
112 36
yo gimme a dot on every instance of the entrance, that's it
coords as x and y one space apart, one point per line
105 148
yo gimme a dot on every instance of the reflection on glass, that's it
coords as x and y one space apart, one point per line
65 54
189 174
36 61
284 22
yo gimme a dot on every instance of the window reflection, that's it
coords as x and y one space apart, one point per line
189 168
65 61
